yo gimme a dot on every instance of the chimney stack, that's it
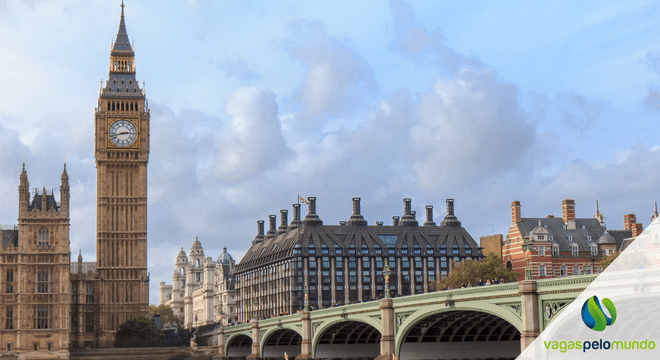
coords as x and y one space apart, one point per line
450 219
356 218
260 232
295 222
271 226
283 222
407 206
408 218
395 221
629 221
515 212
568 210
312 219
429 216
637 230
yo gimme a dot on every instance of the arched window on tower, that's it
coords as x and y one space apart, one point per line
115 66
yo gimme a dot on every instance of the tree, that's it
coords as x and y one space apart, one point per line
166 315
139 332
471 271
606 261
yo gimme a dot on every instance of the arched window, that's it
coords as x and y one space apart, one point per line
509 265
43 237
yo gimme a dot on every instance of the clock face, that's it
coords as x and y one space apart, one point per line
122 133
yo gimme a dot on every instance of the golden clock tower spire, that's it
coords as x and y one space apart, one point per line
121 153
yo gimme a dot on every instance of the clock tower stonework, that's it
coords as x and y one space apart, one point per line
121 142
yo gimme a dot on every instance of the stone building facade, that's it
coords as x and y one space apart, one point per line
563 246
202 290
344 263
34 274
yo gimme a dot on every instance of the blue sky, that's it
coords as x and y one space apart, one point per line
255 102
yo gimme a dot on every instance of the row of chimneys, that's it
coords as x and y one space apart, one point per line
311 219
568 215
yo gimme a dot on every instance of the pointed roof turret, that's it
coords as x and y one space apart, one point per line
80 255
122 45
64 177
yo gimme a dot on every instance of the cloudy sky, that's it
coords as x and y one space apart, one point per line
255 102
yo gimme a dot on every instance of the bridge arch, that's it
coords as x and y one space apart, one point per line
355 330
277 340
459 324
238 344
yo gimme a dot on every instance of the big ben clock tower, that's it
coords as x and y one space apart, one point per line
121 142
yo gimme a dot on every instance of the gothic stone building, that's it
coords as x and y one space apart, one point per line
202 290
344 263
563 246
34 273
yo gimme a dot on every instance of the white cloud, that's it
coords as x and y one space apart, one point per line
252 142
337 81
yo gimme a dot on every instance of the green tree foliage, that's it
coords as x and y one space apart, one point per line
166 315
471 271
139 332
606 261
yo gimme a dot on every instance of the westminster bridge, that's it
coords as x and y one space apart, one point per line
495 321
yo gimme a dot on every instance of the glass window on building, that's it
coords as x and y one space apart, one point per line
74 294
89 294
43 317
576 269
404 262
352 276
311 250
326 262
378 250
562 270
339 278
9 318
89 323
339 262
352 263
366 263
43 281
10 281
418 263
404 249
430 262
379 262
391 263
43 237
443 262
312 262
324 249
366 278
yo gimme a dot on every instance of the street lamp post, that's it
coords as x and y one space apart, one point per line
386 273
527 248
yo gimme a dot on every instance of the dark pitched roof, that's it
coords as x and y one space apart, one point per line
346 237
620 236
122 85
50 203
9 237
560 235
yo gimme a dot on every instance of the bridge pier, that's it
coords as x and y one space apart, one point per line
306 345
529 300
256 352
387 345
221 345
